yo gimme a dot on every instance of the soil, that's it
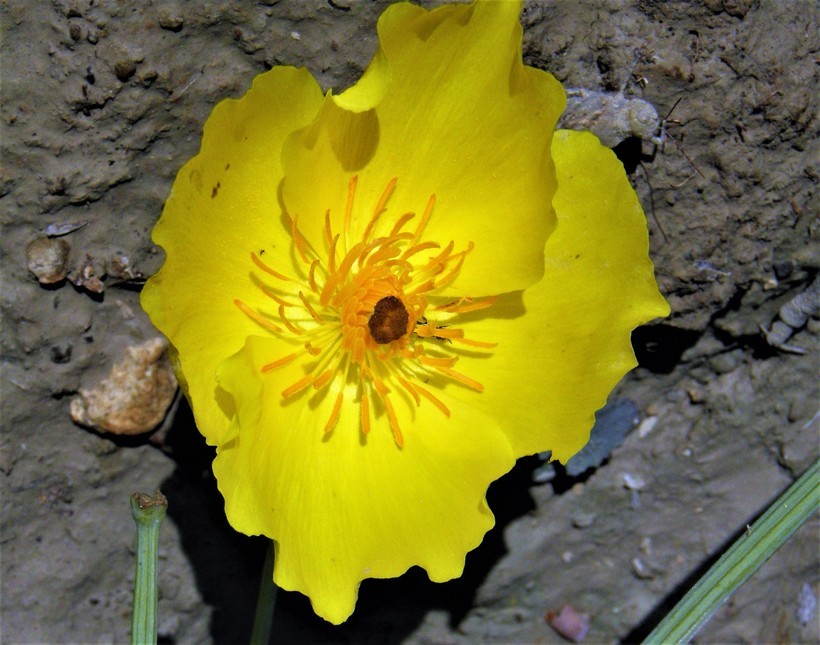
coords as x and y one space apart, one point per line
102 102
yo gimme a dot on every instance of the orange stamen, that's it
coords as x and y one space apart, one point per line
437 362
334 415
474 343
365 406
310 309
300 385
418 248
293 329
382 390
464 305
258 262
312 276
380 208
351 194
430 397
409 387
297 238
400 223
279 300
428 210
320 381
461 378
257 318
279 363
313 351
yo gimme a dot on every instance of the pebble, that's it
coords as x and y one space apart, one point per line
135 396
125 69
647 426
633 482
640 570
47 259
806 604
583 520
170 20
570 623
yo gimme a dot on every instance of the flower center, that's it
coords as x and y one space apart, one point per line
357 314
389 319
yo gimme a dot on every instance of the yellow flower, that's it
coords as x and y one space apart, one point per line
373 310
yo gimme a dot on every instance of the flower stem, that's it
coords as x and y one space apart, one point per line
265 603
744 557
148 512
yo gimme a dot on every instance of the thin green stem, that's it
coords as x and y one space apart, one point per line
148 512
265 603
745 556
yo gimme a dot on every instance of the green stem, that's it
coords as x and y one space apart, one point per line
265 603
148 512
746 555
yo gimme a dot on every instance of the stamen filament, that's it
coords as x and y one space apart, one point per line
461 378
351 194
428 210
320 381
264 267
473 343
300 385
430 397
279 363
465 305
257 318
432 361
279 300
380 208
334 415
365 406
298 240
293 329
409 387
310 309
383 391
400 223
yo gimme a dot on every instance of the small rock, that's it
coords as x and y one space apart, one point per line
806 604
88 275
633 482
125 69
75 30
170 20
47 259
135 396
583 520
647 426
640 570
571 624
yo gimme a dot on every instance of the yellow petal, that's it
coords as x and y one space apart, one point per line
565 342
453 113
223 207
347 506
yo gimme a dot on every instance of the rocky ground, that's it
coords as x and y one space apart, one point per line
102 102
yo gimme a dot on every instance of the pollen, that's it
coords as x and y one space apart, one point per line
354 314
